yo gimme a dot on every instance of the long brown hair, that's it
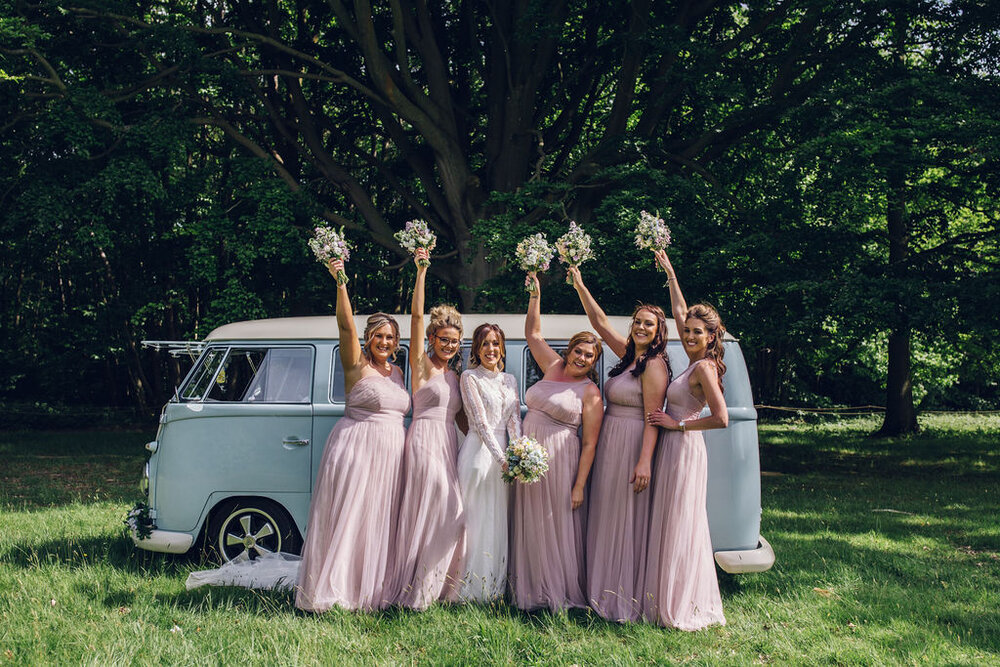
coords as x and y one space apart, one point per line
713 324
584 338
479 336
658 346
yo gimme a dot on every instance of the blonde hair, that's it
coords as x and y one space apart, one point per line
375 322
444 316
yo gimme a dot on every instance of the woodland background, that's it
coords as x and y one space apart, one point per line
829 170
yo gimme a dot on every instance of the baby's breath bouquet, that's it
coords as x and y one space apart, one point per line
574 247
527 461
416 235
651 233
534 254
327 243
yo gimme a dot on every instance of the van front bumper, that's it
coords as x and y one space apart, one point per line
751 560
164 541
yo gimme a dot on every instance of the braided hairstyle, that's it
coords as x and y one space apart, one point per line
713 325
657 347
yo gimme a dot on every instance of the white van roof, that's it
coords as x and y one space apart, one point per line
554 327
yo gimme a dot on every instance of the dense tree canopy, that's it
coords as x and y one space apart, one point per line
827 168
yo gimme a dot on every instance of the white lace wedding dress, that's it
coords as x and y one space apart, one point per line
494 411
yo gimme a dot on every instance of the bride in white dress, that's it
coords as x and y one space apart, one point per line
494 410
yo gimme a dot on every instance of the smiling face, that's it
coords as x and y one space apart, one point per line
696 337
490 351
382 343
644 328
580 359
445 341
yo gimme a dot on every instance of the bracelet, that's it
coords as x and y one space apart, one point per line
683 425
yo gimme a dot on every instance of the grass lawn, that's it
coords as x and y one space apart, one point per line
888 551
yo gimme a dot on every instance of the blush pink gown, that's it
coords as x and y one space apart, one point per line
547 554
681 590
347 559
431 538
617 517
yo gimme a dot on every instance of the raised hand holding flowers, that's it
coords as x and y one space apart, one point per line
328 244
574 247
651 233
534 254
416 234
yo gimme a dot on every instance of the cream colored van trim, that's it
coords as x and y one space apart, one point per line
554 327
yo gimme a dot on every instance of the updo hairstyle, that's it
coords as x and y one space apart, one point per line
585 337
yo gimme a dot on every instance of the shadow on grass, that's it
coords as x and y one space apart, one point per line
115 552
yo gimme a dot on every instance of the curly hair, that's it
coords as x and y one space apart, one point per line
585 338
657 347
442 317
375 322
479 336
713 325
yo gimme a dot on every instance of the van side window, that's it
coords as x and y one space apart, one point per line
533 373
253 375
337 393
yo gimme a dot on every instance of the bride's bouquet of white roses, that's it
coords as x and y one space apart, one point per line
327 243
527 461
651 233
416 234
574 247
534 254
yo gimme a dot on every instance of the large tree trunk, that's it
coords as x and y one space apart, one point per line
900 414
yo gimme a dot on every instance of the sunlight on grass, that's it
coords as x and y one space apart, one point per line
877 562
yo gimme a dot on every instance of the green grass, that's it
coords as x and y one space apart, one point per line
887 553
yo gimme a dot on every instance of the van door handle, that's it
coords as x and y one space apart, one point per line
292 441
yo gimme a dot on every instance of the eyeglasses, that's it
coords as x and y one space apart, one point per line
448 341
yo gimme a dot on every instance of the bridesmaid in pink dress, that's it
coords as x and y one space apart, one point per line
547 558
681 589
347 559
431 538
618 510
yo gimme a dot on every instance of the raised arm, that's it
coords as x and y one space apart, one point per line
654 388
593 415
476 412
350 348
418 354
678 307
598 319
544 355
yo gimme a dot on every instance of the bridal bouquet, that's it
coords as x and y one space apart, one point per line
651 233
527 461
574 247
534 254
415 235
327 243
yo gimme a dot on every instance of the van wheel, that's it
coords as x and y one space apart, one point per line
248 528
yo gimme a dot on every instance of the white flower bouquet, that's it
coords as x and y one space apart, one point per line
327 243
534 254
416 234
527 461
651 233
574 247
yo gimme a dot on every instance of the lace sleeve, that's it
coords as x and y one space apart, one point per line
514 417
476 412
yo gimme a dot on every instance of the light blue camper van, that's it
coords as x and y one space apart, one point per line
238 447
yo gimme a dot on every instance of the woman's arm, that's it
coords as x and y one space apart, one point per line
418 356
706 376
476 412
654 388
678 307
350 348
593 415
598 319
544 355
